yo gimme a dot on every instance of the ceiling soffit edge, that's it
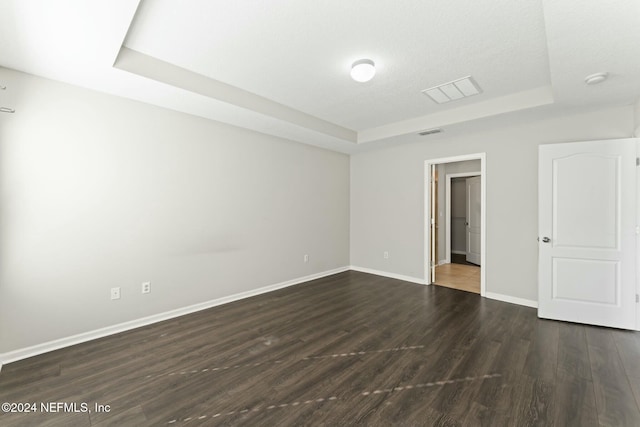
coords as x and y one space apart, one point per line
527 99
161 71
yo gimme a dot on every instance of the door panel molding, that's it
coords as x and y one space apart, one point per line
587 254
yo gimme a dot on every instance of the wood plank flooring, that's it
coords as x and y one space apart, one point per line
350 349
459 276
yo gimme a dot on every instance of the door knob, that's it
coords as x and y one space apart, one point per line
546 239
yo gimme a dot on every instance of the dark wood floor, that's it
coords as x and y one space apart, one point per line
350 349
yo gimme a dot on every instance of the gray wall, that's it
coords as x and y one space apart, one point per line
387 196
98 191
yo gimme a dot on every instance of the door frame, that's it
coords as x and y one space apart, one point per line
447 209
637 238
542 230
427 213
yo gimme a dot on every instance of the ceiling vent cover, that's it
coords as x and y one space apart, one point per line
430 132
453 90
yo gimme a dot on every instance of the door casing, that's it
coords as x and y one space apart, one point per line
427 213
447 213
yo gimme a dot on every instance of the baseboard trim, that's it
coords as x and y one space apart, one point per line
458 252
389 275
24 353
512 300
490 295
35 350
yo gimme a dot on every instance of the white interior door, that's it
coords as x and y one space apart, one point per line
587 236
473 219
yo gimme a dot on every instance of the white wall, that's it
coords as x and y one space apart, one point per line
387 196
636 107
98 191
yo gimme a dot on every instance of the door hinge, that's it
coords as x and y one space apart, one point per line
637 298
637 161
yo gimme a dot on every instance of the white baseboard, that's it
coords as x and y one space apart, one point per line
490 295
512 300
35 350
46 347
458 252
387 274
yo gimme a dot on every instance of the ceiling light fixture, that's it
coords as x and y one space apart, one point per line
596 78
363 70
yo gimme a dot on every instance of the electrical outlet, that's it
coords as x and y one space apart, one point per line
386 254
146 287
306 258
115 293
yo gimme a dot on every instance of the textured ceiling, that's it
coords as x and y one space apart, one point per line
282 67
298 53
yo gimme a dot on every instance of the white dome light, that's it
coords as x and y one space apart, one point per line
363 70
596 78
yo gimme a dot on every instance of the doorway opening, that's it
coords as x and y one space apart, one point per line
455 233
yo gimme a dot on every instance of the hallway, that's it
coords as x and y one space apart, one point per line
459 276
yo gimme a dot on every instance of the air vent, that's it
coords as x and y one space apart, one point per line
450 91
430 132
